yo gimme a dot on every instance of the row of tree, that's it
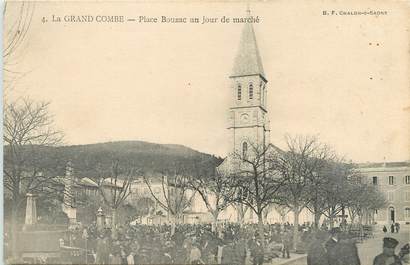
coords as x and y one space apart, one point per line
308 175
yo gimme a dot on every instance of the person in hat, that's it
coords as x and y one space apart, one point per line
102 250
195 254
347 251
331 246
287 243
404 254
316 254
388 257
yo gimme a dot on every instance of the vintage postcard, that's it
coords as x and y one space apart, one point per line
206 132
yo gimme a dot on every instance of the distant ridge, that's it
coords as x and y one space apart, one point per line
90 160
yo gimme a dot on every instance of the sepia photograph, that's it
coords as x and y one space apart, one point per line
206 132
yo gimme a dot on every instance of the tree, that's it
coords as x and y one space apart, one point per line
241 210
115 189
336 190
256 179
144 206
298 167
329 192
363 199
28 130
176 194
216 190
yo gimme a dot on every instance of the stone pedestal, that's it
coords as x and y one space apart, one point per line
71 214
31 210
100 219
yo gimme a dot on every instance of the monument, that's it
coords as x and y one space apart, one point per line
68 206
31 210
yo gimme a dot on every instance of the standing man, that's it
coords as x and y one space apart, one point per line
331 246
287 243
257 251
388 257
102 250
397 227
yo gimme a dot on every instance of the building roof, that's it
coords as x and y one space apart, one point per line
384 167
248 60
386 164
88 182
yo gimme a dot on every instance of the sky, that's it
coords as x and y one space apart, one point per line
342 78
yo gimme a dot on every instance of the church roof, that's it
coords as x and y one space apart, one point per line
248 60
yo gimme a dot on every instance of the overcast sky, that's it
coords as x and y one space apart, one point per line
344 78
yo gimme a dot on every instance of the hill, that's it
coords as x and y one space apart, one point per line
94 160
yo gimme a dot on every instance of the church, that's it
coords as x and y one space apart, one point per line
248 120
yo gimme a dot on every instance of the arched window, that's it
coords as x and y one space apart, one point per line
239 92
250 91
244 149
407 212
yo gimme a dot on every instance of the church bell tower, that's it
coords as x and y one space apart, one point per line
248 119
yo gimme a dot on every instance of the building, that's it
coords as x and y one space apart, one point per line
393 180
248 120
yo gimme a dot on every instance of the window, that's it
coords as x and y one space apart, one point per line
239 92
407 179
407 212
391 180
262 93
375 180
250 91
244 150
390 196
407 196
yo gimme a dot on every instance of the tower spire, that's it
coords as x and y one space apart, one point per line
248 60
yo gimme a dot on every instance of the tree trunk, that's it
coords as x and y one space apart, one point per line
241 213
317 219
352 218
283 217
260 228
296 212
265 216
331 220
114 223
215 215
171 219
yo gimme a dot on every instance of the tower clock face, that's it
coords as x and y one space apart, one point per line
244 118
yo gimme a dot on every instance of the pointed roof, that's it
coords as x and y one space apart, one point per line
248 60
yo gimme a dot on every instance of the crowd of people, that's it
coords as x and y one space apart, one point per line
228 243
